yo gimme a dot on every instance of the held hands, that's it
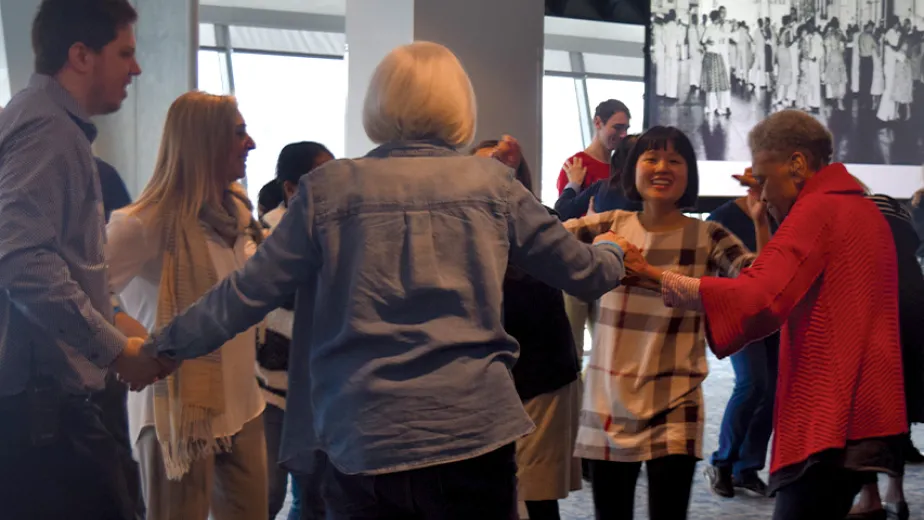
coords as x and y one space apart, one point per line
757 208
575 171
137 369
508 152
638 272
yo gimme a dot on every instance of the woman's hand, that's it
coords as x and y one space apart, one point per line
508 152
757 208
638 272
575 171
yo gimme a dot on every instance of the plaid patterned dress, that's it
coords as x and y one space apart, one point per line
643 398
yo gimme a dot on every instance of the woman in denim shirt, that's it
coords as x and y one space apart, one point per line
400 366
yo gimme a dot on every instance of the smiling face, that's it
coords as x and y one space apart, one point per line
240 148
661 176
610 133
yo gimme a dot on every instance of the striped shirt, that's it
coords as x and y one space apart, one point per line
643 398
55 311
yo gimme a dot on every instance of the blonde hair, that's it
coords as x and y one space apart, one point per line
190 168
420 91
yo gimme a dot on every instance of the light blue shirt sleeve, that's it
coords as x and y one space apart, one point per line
33 189
541 245
287 260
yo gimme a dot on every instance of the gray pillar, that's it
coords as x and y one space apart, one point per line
500 45
168 43
17 18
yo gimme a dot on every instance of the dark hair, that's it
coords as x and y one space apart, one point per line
270 196
523 173
59 24
714 15
660 138
608 108
297 159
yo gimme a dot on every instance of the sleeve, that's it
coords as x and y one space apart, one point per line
288 260
128 249
728 255
544 249
573 205
33 274
752 306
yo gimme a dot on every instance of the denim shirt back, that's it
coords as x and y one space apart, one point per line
399 356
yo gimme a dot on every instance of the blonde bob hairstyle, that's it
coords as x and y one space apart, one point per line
190 172
420 91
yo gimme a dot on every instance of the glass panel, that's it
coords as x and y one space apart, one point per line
557 61
561 132
632 93
286 99
212 72
286 40
207 35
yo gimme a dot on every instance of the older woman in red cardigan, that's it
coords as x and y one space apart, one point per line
828 281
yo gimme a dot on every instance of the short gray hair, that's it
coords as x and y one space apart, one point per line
790 131
420 91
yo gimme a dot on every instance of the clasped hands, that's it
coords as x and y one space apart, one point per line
137 369
639 273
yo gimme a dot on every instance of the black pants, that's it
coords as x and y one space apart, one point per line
824 492
866 79
112 402
669 481
79 472
482 488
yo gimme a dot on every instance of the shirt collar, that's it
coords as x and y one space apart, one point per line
60 96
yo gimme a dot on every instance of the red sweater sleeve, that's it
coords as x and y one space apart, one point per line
756 304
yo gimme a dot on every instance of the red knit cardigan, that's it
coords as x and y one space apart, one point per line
828 279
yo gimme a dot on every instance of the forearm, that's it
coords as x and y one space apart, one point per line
680 292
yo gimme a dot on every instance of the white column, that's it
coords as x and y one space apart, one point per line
168 42
500 45
19 59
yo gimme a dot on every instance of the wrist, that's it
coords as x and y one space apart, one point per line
654 273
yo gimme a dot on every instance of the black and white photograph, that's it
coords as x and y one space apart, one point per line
718 67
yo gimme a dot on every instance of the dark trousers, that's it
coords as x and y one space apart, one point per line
306 494
78 471
748 422
483 487
866 79
824 492
669 481
112 402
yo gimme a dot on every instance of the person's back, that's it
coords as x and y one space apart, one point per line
412 248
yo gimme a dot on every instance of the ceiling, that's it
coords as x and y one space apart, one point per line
331 7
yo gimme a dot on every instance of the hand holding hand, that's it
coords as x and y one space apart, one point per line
757 208
137 369
575 171
508 152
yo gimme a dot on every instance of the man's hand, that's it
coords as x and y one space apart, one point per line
129 326
137 369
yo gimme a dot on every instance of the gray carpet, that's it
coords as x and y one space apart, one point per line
703 504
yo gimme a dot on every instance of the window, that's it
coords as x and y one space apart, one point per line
285 99
561 131
632 93
212 72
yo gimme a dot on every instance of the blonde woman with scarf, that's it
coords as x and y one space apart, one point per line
198 434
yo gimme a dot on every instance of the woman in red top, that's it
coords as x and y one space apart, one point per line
828 281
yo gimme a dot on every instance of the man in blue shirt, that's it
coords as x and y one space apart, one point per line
57 338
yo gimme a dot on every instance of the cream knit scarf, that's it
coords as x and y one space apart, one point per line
187 401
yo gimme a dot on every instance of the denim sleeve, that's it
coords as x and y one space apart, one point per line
540 245
34 275
288 259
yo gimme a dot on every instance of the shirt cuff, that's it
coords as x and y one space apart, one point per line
574 186
619 252
680 291
110 343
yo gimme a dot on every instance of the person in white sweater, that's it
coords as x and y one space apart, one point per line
294 161
198 433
